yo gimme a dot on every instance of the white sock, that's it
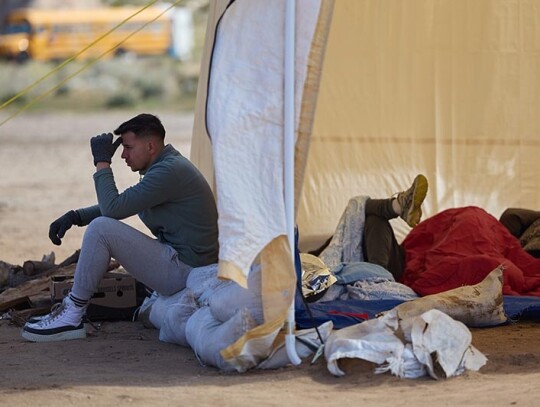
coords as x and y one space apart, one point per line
77 301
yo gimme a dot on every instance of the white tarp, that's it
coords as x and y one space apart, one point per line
245 121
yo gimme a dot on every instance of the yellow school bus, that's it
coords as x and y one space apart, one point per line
45 35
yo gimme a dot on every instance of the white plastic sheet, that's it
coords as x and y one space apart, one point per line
378 341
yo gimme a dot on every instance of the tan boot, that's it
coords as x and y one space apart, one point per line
410 201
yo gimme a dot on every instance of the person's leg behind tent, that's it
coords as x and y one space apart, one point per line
380 245
517 220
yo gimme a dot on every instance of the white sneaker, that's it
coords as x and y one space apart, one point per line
62 324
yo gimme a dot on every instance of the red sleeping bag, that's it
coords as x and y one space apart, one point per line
460 247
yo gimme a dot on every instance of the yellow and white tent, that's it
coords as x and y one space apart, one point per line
383 90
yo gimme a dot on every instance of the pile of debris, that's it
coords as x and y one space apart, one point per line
25 290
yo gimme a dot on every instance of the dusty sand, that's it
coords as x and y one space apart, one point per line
46 170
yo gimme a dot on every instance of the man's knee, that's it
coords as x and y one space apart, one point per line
102 224
512 219
508 214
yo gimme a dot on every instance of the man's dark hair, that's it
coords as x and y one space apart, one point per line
143 125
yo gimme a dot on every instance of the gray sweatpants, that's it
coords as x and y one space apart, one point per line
149 261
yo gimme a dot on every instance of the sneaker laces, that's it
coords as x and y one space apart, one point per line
57 310
405 199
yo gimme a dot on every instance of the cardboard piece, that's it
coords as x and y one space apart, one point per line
116 297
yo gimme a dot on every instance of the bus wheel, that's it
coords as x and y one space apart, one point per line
119 52
22 57
125 54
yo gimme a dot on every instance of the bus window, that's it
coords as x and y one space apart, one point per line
17 28
155 27
38 29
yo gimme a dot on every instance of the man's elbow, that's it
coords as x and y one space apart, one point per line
111 212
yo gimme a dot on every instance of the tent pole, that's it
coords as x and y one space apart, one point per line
288 146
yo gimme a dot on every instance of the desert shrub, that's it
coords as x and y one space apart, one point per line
188 84
120 100
5 96
110 83
62 90
149 89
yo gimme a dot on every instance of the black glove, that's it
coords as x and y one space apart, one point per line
59 227
103 147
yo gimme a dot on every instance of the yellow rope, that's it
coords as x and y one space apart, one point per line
43 95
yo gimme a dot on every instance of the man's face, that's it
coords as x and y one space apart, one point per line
136 151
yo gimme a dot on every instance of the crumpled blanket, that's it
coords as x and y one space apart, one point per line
379 289
366 281
461 246
346 244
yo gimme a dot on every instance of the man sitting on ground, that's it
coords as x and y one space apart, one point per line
172 199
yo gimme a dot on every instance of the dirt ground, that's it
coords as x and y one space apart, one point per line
46 168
